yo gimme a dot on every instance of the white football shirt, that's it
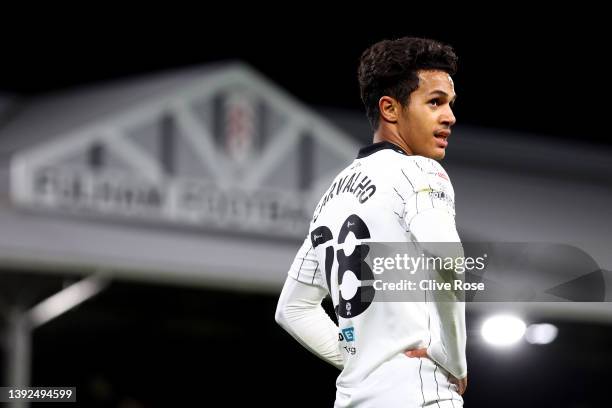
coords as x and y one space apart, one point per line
384 195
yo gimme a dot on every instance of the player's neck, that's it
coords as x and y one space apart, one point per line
385 135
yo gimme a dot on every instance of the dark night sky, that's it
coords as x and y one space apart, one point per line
545 75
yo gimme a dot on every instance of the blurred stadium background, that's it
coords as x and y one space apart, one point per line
154 188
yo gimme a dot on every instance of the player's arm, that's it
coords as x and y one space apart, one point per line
300 313
430 219
299 309
436 227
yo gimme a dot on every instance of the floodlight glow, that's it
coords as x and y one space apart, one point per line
503 330
66 299
544 333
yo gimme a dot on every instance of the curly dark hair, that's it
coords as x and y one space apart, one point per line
390 67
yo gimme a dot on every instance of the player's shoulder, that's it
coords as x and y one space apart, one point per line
419 173
391 161
424 166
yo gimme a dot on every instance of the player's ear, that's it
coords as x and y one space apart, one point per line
389 109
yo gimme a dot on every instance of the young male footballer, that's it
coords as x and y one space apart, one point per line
392 354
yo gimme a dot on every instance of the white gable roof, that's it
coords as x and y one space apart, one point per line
125 122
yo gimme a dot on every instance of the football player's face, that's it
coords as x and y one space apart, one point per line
424 124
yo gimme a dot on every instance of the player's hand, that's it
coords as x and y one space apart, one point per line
416 353
460 383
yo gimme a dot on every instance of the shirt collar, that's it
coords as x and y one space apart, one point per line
375 147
